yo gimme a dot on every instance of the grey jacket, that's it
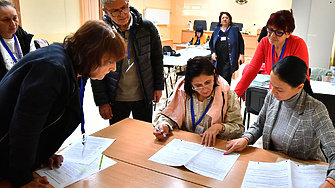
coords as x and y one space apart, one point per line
310 130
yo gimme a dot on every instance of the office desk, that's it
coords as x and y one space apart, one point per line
250 41
185 55
135 144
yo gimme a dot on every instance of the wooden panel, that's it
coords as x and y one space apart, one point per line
167 42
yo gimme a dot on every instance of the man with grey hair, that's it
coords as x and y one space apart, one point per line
138 79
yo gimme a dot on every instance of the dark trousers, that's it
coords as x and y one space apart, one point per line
139 109
228 78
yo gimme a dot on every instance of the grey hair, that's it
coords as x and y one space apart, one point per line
103 2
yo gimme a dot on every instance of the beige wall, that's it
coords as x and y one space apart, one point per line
50 19
54 19
254 12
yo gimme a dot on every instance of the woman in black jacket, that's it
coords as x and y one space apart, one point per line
15 42
40 103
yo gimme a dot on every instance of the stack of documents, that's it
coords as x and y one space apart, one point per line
206 161
261 80
78 163
285 174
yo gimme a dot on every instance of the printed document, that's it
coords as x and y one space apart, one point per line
285 174
85 154
70 172
206 161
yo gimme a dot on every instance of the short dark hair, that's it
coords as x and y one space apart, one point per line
283 20
200 30
195 67
90 43
293 71
6 4
229 16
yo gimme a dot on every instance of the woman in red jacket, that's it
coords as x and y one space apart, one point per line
279 43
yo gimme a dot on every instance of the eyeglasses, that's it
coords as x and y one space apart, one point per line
201 88
117 13
278 33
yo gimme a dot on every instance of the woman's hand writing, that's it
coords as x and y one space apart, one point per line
164 129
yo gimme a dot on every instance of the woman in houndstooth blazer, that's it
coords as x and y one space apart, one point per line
291 121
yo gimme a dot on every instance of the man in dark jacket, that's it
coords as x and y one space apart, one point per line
138 80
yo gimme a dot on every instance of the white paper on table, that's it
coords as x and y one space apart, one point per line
70 172
283 174
211 162
94 146
176 153
206 161
308 176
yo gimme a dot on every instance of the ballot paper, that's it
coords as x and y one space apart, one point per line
285 174
70 172
93 148
206 161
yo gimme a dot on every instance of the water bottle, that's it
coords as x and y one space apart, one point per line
332 81
186 48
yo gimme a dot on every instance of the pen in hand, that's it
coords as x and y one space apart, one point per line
102 156
159 131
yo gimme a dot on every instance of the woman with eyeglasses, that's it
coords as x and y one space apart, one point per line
201 103
278 44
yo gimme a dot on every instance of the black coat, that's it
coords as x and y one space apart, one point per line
25 40
149 63
40 107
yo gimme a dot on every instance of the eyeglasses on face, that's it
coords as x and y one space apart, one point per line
201 88
117 13
278 33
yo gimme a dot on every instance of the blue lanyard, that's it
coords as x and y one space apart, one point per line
203 114
9 51
81 92
223 32
131 34
281 54
198 40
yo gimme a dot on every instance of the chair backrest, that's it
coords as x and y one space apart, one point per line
39 43
167 49
213 25
201 23
254 99
240 25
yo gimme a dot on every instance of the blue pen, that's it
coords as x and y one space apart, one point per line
159 131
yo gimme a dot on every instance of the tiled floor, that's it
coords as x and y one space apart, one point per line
94 122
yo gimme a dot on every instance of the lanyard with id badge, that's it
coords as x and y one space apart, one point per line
223 38
128 56
199 129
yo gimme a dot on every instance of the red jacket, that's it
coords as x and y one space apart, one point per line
295 46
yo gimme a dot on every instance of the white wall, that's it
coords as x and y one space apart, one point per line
316 25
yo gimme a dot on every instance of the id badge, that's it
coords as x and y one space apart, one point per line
131 65
199 129
223 38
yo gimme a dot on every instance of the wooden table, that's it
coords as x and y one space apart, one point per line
135 144
124 175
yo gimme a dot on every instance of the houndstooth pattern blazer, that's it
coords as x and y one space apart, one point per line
309 128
